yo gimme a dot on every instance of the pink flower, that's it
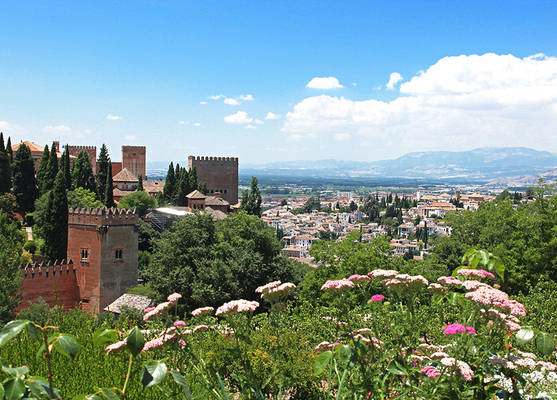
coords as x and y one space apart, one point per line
157 310
202 311
267 287
430 371
453 329
337 285
148 309
174 297
465 370
480 273
437 288
116 346
200 328
179 323
470 330
382 273
278 292
449 281
377 297
359 278
237 306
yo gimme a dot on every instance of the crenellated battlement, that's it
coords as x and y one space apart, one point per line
210 158
137 148
79 148
102 216
50 270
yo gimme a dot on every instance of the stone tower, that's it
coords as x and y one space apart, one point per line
90 150
133 158
220 174
103 246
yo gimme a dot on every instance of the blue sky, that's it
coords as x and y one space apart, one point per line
139 72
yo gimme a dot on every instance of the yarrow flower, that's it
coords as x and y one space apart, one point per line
453 329
359 278
267 287
157 310
179 323
278 292
430 371
377 297
115 346
199 328
406 283
337 285
202 311
237 306
174 297
148 309
449 281
437 288
480 273
490 296
382 273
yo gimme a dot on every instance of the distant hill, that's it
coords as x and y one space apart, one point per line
478 165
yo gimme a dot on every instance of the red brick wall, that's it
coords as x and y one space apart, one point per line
57 285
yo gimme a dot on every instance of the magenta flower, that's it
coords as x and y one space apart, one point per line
179 323
453 329
377 297
148 309
430 371
470 330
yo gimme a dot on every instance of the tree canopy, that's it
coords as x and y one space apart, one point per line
211 262
24 187
138 200
12 239
82 173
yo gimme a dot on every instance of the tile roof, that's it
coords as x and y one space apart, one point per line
129 300
125 175
196 194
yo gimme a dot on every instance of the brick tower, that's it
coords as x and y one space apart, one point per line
133 158
220 174
103 246
91 152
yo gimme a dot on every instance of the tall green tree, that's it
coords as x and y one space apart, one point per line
9 149
82 173
51 169
193 179
184 188
65 166
251 200
5 168
140 183
169 184
102 171
25 187
42 171
56 238
12 239
109 188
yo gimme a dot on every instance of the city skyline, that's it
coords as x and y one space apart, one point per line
269 82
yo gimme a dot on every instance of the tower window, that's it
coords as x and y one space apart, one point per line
118 254
84 255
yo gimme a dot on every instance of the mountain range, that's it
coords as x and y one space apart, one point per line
478 165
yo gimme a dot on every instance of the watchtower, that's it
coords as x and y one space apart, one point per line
133 158
102 242
220 175
90 150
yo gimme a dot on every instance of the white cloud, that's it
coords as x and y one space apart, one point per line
258 122
57 129
324 83
197 124
231 102
239 118
341 137
394 78
272 115
246 97
112 117
130 138
216 97
458 102
203 102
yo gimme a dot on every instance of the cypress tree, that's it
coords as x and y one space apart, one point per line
245 200
65 166
169 184
140 183
42 171
25 186
254 198
51 169
109 188
184 188
102 171
9 150
56 238
82 173
193 178
5 168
